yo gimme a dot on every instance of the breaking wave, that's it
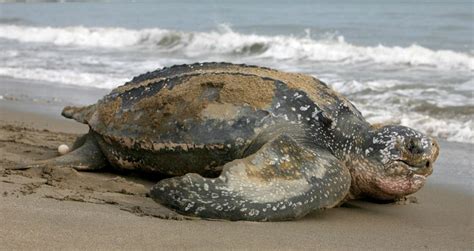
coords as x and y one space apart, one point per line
444 115
225 41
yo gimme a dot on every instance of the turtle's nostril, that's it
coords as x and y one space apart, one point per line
428 163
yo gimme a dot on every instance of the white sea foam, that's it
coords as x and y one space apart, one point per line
68 77
226 41
448 129
445 128
353 86
399 102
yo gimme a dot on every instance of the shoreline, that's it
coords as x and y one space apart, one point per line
45 98
61 214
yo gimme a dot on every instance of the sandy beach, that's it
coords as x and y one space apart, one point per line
401 62
65 209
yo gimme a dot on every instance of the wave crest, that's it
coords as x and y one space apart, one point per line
225 41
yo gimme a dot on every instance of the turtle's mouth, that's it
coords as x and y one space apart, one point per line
424 168
405 170
401 179
416 174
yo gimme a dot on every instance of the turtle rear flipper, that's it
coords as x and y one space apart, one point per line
87 157
80 114
283 180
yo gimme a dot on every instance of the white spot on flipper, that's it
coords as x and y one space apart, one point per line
189 206
304 108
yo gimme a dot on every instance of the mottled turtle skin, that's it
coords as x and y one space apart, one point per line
249 143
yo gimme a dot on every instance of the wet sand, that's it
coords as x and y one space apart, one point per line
65 209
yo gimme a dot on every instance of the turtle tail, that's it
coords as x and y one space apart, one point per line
80 114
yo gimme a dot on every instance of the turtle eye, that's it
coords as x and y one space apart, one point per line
414 146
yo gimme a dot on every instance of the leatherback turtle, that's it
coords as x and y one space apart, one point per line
248 143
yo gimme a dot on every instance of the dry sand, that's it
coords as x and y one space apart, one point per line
64 209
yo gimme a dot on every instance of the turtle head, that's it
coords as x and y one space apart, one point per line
397 161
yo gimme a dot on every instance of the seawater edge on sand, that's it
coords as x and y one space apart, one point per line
43 97
442 219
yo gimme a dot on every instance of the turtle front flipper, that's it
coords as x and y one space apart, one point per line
86 157
283 180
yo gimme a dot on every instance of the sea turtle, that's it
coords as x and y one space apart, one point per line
247 143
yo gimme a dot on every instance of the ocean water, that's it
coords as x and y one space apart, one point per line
404 62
